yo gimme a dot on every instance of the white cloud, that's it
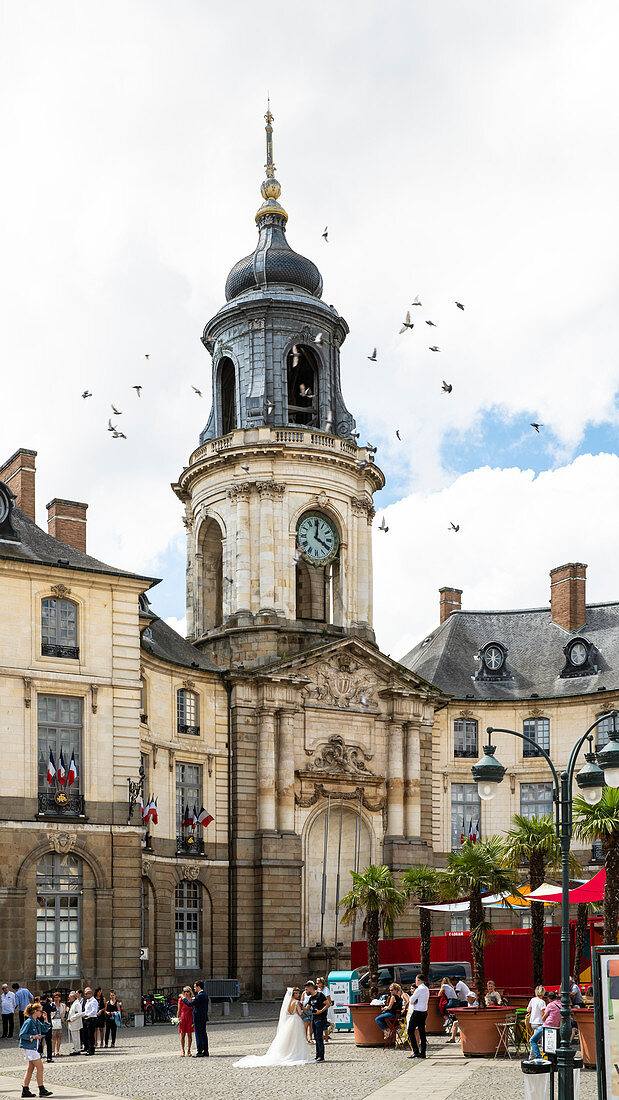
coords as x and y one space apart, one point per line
180 625
514 528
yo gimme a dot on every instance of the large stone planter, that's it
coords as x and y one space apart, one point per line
367 1031
434 1020
586 1033
478 1032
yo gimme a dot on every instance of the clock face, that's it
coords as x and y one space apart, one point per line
578 653
493 658
4 507
317 538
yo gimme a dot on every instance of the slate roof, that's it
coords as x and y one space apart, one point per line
534 643
161 641
36 546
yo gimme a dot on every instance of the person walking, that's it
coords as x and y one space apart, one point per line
91 1018
59 1012
74 1021
112 1017
30 1033
199 1003
418 1012
8 1012
185 1020
319 1004
23 997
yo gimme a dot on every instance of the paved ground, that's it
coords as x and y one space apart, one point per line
146 1066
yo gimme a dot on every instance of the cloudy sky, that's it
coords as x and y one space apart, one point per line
456 151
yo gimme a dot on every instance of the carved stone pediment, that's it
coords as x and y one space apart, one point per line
342 682
337 758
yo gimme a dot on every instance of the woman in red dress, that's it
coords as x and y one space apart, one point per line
185 1021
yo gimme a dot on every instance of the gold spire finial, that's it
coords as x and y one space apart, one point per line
270 189
268 118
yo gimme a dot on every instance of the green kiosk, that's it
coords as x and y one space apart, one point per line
344 990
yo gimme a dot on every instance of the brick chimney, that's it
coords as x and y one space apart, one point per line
567 595
66 520
450 600
18 472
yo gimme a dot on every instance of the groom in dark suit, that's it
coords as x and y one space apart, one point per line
200 1018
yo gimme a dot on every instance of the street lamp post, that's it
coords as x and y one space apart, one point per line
488 773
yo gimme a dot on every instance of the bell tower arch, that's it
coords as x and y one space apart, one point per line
278 466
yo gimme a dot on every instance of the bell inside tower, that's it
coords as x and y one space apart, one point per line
302 375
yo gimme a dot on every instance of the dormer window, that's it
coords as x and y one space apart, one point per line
579 658
492 662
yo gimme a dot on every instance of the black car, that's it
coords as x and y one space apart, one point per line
405 974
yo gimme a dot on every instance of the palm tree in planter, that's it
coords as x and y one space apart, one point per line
533 840
473 870
425 885
374 896
602 821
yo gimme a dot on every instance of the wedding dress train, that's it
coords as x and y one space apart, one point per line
289 1047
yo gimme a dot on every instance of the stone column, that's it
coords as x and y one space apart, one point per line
266 550
266 769
395 782
243 550
412 794
198 601
285 771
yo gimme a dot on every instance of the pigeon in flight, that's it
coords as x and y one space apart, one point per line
372 357
459 305
138 388
111 427
86 393
447 387
318 339
416 302
431 323
537 427
454 527
407 323
398 434
117 412
434 348
326 233
147 356
229 580
118 435
383 526
196 390
245 467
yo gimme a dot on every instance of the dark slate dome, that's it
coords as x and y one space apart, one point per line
273 262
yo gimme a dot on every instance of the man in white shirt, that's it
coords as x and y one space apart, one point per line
75 1021
418 1011
462 992
91 1019
8 1012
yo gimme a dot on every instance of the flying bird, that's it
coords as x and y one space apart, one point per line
139 389
111 427
117 412
269 406
229 580
318 339
86 393
372 357
147 356
407 323
416 302
305 390
537 427
447 387
398 433
434 348
196 390
459 305
326 233
431 323
245 466
383 526
118 435
454 527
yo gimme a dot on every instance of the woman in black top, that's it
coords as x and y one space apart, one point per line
100 1028
393 1009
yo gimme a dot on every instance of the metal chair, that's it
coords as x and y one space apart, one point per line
390 1034
523 1033
507 1034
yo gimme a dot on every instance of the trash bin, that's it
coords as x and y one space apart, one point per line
577 1069
536 1079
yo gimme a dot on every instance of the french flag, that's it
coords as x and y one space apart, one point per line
194 817
187 818
154 816
62 771
51 768
204 817
72 773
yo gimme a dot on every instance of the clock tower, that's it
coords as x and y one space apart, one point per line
278 494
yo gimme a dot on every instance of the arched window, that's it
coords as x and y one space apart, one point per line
210 594
187 712
227 395
59 628
58 890
302 375
187 912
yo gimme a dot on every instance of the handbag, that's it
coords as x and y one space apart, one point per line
56 1023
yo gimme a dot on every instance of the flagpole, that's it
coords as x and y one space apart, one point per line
357 854
323 900
337 881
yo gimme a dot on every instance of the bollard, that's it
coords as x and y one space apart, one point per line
225 1008
244 1008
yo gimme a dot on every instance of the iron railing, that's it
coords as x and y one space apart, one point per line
61 803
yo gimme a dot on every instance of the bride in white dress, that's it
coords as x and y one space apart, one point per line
289 1047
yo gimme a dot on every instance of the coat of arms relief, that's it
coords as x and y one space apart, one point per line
343 683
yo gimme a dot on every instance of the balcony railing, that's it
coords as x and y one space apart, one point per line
466 752
61 804
49 650
193 731
189 844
